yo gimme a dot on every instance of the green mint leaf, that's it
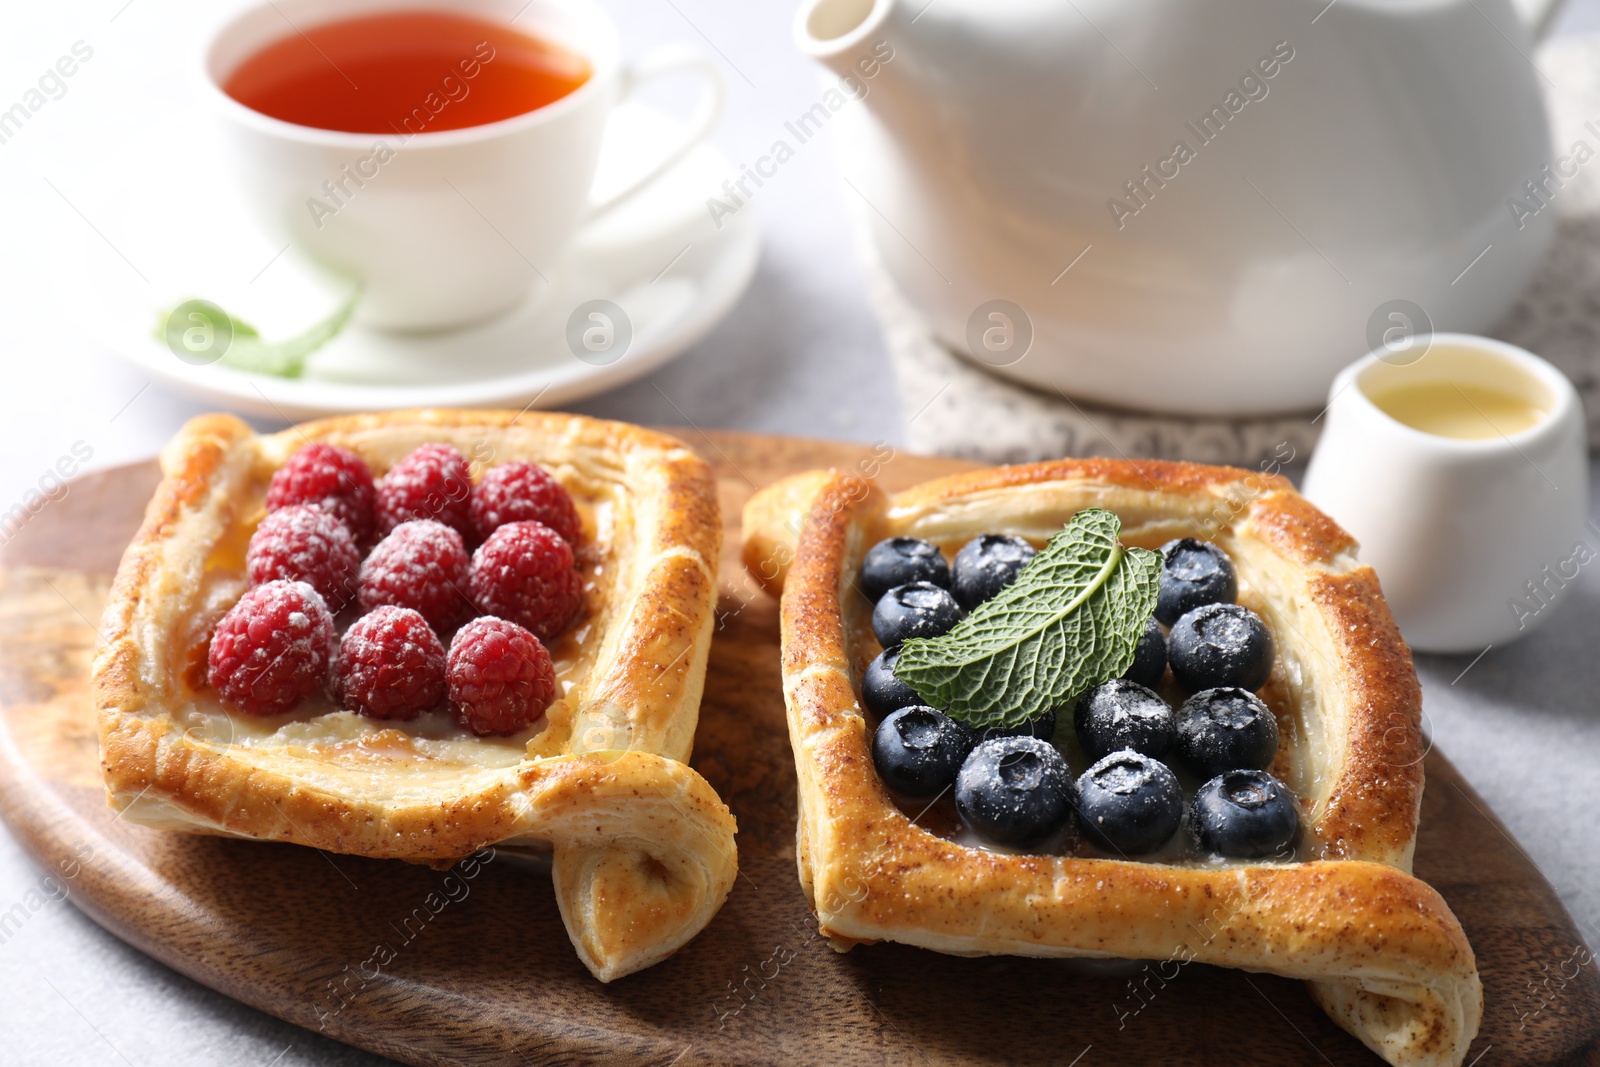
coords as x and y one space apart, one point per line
1070 621
200 332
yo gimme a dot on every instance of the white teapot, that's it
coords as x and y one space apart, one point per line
1199 206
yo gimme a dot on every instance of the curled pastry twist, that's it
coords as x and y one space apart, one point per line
644 853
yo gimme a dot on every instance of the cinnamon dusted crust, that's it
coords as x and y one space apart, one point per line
1381 950
643 849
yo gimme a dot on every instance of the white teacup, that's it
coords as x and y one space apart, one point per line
1474 540
443 228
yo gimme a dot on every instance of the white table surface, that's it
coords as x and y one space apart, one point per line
800 354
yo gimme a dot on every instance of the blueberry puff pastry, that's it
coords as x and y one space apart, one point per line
1381 951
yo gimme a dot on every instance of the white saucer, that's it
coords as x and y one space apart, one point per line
659 257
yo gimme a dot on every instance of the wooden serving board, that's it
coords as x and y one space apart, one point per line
479 970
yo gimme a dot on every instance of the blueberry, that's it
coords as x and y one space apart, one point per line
1015 791
1149 656
1121 714
918 751
916 609
1223 730
1129 803
1193 573
985 565
1044 728
1220 645
881 691
1244 815
900 560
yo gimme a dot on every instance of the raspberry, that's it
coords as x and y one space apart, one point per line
524 573
522 492
334 477
422 565
306 543
272 649
431 483
391 665
500 676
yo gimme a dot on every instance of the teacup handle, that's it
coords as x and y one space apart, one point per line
658 63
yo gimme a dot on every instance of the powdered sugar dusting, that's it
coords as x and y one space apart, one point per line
421 565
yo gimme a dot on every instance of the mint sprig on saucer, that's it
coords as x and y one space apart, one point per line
1070 621
200 333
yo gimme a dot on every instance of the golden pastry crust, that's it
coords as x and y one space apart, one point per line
643 847
1381 950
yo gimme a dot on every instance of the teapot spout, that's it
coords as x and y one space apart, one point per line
842 34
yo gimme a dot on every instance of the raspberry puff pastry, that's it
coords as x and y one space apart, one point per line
642 848
1380 949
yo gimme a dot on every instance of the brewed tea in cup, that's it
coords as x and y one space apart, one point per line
443 158
416 70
